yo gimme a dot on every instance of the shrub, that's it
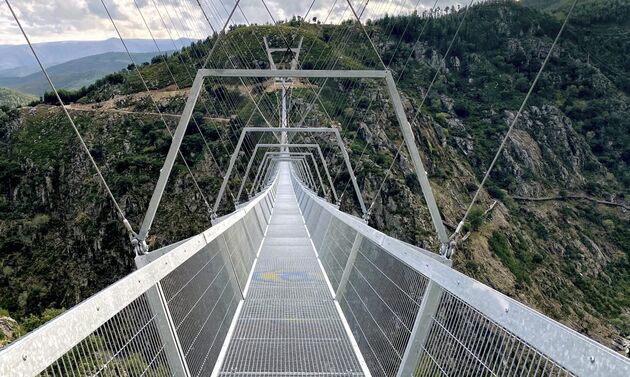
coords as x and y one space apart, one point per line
461 110
363 102
32 322
475 218
501 247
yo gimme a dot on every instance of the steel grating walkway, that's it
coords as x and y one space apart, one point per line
289 324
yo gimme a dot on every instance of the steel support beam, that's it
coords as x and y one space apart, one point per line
406 129
308 169
305 169
296 57
420 332
300 167
299 73
226 177
353 178
275 130
261 168
416 160
319 176
349 264
303 176
272 64
165 325
312 146
173 150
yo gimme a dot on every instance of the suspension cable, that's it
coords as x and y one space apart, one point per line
366 32
383 112
262 96
242 58
186 66
74 126
170 72
190 52
227 21
289 47
344 40
146 87
232 62
514 121
424 98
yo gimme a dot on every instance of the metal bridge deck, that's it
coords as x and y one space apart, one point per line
289 324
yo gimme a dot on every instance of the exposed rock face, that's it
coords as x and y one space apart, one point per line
544 144
62 219
566 258
9 330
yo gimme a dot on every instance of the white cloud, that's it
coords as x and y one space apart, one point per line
55 20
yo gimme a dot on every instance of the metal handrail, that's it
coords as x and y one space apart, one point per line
489 326
36 351
577 353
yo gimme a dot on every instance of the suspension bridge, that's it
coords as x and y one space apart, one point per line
287 284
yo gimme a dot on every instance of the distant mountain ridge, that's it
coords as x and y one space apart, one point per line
53 53
75 73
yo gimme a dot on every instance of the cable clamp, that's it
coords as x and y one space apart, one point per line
459 228
447 249
138 245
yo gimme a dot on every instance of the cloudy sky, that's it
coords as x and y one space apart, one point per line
55 20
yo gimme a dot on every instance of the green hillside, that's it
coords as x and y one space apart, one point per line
552 228
13 98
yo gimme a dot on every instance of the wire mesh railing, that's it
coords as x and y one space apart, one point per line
413 315
168 318
409 312
462 341
127 344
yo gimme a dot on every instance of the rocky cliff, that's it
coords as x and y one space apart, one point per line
552 228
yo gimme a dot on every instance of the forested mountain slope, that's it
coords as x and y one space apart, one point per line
11 98
552 228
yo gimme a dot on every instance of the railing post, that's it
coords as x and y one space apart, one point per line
165 326
420 331
349 264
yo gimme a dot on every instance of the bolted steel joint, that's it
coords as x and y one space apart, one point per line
448 249
139 246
